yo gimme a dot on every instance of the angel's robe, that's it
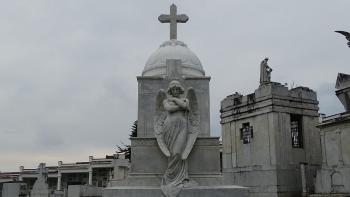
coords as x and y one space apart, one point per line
175 138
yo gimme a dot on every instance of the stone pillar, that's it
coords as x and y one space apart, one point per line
340 147
59 180
59 176
20 178
303 179
121 167
90 176
323 148
90 170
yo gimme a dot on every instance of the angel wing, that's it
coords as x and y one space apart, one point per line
193 125
344 33
159 121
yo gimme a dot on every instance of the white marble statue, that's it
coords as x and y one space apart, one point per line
265 72
176 129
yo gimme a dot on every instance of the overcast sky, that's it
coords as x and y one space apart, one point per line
68 68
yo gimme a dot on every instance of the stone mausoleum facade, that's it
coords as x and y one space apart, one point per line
267 136
334 177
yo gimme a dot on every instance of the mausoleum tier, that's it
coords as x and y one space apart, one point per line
173 49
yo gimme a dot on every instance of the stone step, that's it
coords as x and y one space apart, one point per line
329 195
199 191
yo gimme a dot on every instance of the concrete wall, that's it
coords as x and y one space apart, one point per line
335 172
84 191
11 189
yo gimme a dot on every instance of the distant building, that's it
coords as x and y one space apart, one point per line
97 172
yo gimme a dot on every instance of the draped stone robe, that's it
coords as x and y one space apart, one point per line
175 138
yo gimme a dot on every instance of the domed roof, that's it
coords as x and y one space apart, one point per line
173 49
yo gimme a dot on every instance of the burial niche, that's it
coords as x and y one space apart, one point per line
296 126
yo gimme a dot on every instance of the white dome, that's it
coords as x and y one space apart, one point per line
173 49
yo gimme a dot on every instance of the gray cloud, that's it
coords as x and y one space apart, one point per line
68 68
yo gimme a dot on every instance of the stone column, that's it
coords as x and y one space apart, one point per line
340 147
90 169
20 178
323 148
90 176
59 179
303 179
59 176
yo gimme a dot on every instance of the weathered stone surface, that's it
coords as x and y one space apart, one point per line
11 189
343 81
149 164
267 153
335 140
208 191
147 157
148 88
121 167
57 194
84 191
343 92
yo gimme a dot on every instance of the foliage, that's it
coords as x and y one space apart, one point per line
126 149
134 130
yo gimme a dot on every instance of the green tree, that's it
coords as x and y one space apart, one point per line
126 149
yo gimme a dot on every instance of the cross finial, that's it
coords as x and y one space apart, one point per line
42 168
173 19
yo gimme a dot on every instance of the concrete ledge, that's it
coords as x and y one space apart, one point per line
330 195
155 180
200 191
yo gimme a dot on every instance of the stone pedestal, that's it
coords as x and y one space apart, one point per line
204 191
57 193
149 164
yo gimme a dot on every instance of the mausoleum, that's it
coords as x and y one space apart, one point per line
270 140
173 153
334 177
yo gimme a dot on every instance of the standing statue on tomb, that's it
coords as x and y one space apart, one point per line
265 72
176 129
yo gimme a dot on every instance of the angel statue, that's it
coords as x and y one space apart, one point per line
176 129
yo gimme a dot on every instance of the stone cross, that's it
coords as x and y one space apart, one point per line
42 169
173 19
